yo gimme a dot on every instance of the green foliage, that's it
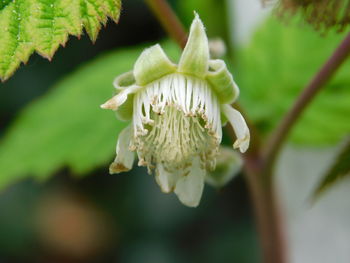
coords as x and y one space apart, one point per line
275 67
67 127
339 170
4 3
42 25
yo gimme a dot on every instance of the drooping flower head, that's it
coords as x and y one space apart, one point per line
177 113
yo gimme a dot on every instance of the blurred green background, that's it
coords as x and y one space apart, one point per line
59 204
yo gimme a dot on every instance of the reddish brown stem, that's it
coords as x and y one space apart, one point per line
321 78
168 20
267 211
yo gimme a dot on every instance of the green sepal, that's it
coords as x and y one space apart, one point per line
195 57
228 165
222 81
152 64
124 80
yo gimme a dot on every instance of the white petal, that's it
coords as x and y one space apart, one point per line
120 98
239 126
125 158
189 188
166 180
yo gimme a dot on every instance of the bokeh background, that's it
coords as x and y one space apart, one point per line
59 204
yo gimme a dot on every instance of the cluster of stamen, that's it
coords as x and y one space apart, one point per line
176 119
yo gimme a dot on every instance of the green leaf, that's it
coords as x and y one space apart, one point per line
339 170
276 66
43 25
67 127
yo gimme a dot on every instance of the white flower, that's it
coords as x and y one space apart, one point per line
176 113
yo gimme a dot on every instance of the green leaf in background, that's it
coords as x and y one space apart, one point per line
40 25
274 68
67 127
339 170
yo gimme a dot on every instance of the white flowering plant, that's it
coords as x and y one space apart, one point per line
176 117
177 112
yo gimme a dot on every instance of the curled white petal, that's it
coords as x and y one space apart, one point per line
125 158
165 179
189 187
239 126
120 98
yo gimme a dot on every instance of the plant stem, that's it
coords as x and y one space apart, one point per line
168 20
321 78
264 199
267 213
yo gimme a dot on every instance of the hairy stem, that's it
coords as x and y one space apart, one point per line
321 78
168 20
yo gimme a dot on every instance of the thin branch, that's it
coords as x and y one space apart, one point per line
168 20
321 78
268 216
